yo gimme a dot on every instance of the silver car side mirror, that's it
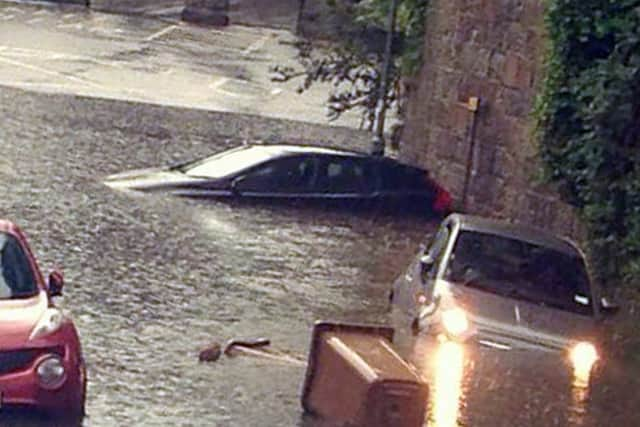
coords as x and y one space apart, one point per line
426 264
234 183
608 307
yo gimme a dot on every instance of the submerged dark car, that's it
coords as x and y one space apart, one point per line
295 172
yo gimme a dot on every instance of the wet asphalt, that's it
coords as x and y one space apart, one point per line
151 279
143 57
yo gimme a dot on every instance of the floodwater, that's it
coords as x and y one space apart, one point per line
151 279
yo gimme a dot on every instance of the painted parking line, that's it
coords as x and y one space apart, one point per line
257 45
13 9
37 85
219 83
77 26
17 52
161 33
50 73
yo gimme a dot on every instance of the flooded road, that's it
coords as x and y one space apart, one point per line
151 279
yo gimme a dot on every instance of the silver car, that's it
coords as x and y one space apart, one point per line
505 286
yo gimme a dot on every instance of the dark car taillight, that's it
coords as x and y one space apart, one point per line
443 201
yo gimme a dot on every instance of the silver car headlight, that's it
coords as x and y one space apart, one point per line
51 372
583 356
455 322
49 323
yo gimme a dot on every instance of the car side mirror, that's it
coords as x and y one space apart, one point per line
235 182
426 264
608 307
56 283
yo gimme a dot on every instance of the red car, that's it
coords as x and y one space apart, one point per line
41 364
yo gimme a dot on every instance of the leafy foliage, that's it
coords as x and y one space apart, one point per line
353 59
588 117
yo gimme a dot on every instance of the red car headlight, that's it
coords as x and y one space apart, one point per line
51 372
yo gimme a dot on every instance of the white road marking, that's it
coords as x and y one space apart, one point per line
51 73
259 44
77 26
276 91
8 17
236 94
161 33
17 52
221 81
14 83
14 9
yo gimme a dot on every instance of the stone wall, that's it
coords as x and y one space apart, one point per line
489 49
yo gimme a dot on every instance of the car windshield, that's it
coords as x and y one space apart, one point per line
521 270
227 163
16 277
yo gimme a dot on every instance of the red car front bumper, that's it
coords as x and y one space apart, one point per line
20 384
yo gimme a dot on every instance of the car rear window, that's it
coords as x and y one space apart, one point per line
16 277
228 163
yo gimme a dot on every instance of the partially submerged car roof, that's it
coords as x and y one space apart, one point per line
516 231
279 149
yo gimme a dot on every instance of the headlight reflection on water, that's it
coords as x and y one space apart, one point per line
446 391
583 356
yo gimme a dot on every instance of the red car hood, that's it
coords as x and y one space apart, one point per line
18 318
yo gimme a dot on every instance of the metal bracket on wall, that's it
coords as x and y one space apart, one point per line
473 106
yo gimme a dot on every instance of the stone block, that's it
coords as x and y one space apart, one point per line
513 10
496 65
517 72
470 30
516 103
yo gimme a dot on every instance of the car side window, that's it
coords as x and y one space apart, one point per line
396 177
16 278
344 175
289 175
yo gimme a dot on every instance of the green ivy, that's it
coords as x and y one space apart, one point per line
588 123
410 19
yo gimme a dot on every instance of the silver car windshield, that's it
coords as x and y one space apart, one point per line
16 277
228 163
521 270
